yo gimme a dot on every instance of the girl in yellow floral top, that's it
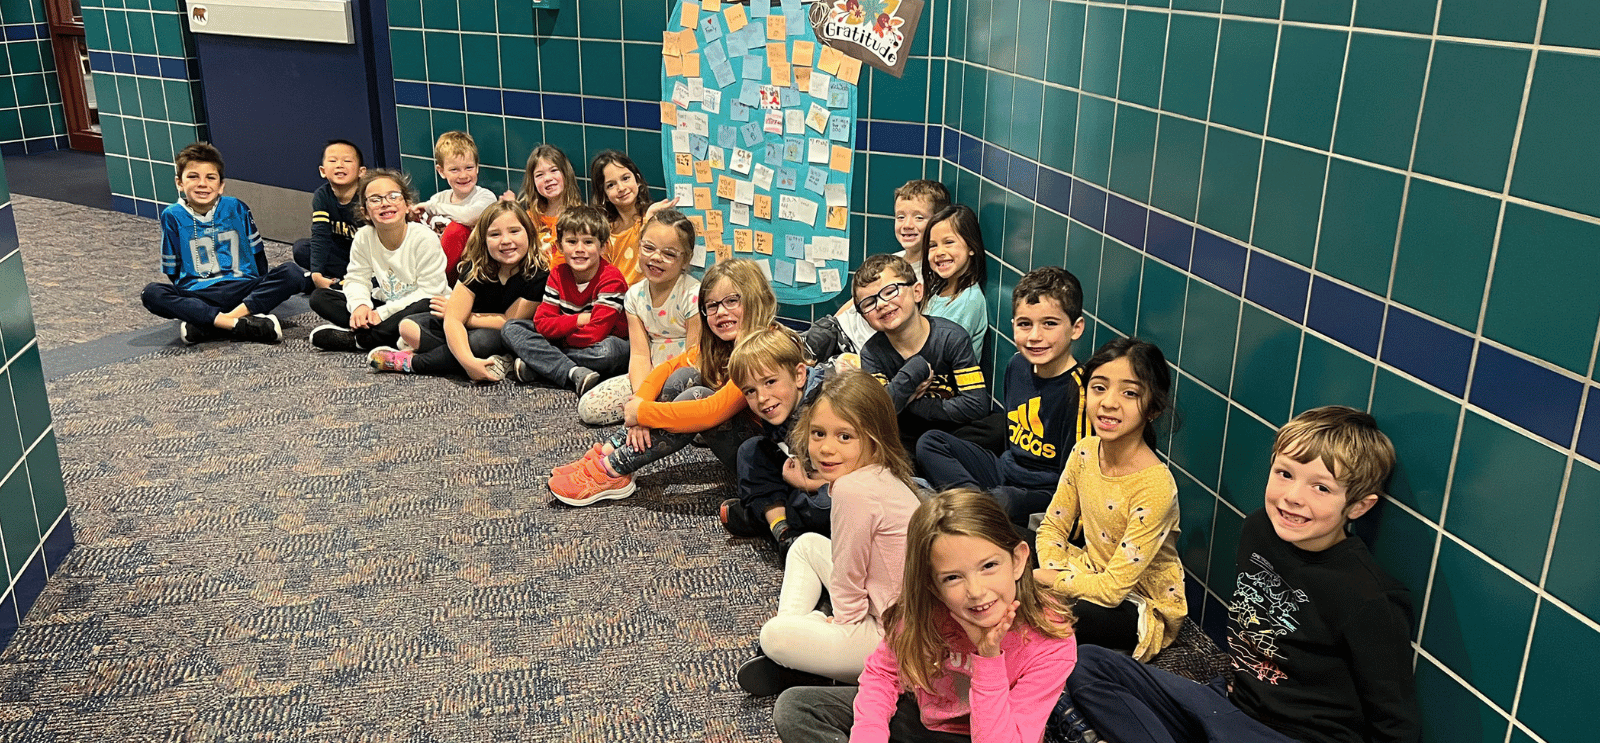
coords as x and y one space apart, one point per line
1125 583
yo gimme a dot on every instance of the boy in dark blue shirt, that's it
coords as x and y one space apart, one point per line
1044 404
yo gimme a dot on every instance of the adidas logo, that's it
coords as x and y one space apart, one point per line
1027 431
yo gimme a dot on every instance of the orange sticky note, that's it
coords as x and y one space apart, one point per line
837 216
702 171
702 199
775 54
725 187
776 30
711 6
850 70
723 252
685 165
714 223
780 75
691 15
691 65
687 41
742 241
697 220
763 207
841 159
736 17
669 44
802 53
764 243
802 78
674 64
828 61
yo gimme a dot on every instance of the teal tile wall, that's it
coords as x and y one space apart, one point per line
30 98
35 531
147 84
1388 205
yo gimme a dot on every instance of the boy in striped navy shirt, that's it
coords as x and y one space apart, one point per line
212 254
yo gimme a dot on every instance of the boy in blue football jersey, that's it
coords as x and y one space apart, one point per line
211 252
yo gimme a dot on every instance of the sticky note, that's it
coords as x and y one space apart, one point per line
818 151
752 134
741 161
783 273
727 136
774 154
816 178
750 93
838 94
724 187
669 114
839 128
736 17
680 140
698 146
724 252
687 41
820 84
711 6
776 54
829 279
773 122
802 53
714 53
683 195
777 26
769 97
828 60
789 97
794 149
716 156
802 78
805 272
817 117
697 124
787 178
743 241
751 69
794 121
702 171
691 65
763 207
714 223
765 266
680 94
764 243
837 217
850 70
691 15
702 199
683 163
723 72
759 10
835 195
739 214
711 28
840 160
762 176
780 74
673 64
669 45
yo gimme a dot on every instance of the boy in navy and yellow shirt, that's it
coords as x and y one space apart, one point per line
1044 404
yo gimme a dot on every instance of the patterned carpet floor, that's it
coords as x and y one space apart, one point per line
277 545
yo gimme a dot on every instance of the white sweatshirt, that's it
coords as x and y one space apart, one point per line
413 271
466 212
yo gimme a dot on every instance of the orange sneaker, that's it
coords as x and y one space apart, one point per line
594 451
589 484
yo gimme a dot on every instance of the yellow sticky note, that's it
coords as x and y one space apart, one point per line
702 199
691 15
725 187
736 17
763 207
802 77
828 60
687 41
850 70
684 164
714 223
697 220
775 55
742 241
802 53
711 6
780 75
723 252
669 44
691 65
674 65
776 30
841 159
837 216
764 242
702 173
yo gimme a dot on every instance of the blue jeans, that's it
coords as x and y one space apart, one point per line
201 306
950 461
554 363
1132 702
723 439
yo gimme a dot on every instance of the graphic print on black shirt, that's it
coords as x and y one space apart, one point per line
1263 610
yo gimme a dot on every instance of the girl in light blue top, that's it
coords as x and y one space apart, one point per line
953 269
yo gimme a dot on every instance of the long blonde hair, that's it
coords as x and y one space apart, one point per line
860 400
760 311
476 265
913 622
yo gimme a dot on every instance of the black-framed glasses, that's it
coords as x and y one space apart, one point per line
377 199
886 294
729 303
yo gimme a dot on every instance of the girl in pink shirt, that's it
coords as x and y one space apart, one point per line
850 439
974 650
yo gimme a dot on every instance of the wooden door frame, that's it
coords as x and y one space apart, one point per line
66 33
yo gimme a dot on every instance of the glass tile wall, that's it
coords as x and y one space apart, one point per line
35 531
148 88
30 100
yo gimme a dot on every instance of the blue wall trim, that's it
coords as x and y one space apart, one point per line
25 31
147 65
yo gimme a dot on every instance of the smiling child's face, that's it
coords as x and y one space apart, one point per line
507 239
341 166
461 172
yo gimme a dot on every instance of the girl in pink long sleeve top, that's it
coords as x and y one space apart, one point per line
974 648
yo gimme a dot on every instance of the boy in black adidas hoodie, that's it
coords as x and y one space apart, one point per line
1044 404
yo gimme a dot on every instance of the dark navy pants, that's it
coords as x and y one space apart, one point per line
201 306
1132 702
761 486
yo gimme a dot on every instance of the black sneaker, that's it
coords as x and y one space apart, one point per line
258 328
737 520
764 677
583 379
191 333
521 373
334 338
786 540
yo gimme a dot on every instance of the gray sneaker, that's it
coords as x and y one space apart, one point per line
334 338
502 365
258 328
583 379
521 372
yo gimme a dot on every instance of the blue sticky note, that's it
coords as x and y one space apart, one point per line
713 53
794 149
752 134
737 43
792 16
727 137
759 9
753 67
723 72
816 178
839 128
774 156
794 246
750 93
698 146
838 94
787 178
711 27
738 111
789 97
783 272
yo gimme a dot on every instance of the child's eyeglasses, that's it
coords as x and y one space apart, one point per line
667 253
886 294
729 303
378 199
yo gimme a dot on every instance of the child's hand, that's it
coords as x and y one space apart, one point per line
479 370
1046 578
987 639
794 475
417 212
658 206
509 195
639 437
363 317
630 411
436 306
583 319
922 389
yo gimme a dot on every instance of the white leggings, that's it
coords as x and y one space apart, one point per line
602 406
802 638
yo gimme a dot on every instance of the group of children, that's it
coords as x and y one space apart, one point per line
960 614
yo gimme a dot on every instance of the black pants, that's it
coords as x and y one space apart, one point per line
433 354
1132 702
330 304
761 486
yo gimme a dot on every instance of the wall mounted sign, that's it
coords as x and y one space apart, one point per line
876 32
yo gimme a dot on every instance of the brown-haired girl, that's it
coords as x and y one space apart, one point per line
617 186
549 186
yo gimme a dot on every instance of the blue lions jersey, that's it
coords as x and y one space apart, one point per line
199 251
